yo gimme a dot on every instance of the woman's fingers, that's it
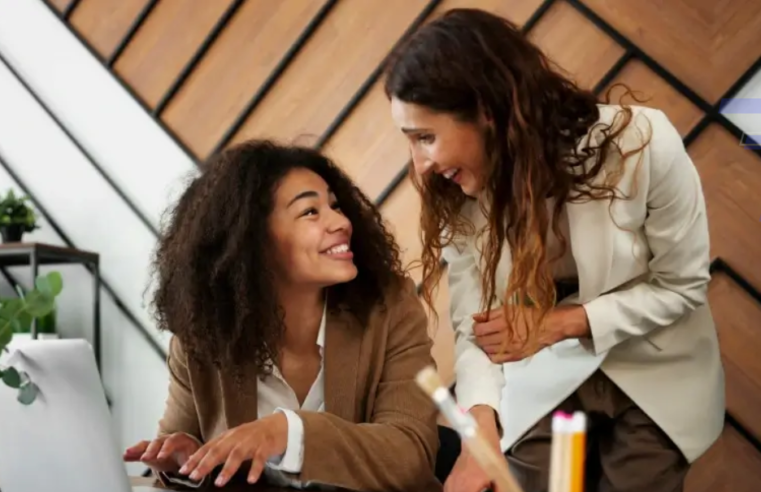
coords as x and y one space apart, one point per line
153 449
134 453
257 466
203 461
491 340
489 315
234 459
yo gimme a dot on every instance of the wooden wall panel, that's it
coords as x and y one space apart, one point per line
332 66
693 38
165 43
60 5
402 212
731 177
580 49
657 93
442 334
234 68
103 23
738 317
368 145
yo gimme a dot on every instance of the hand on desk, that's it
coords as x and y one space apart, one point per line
164 454
256 441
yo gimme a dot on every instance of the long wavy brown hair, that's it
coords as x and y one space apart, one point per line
467 63
213 264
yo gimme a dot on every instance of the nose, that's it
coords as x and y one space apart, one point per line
338 222
421 162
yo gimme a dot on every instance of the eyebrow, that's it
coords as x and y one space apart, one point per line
407 131
306 194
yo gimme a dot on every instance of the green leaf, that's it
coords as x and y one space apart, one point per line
11 377
43 285
55 281
39 304
6 334
28 393
24 322
11 308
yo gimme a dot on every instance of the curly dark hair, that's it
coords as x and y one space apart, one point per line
215 288
470 61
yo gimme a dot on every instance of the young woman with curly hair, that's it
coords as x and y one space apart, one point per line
534 192
296 334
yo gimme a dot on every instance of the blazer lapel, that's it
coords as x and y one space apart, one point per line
239 401
343 341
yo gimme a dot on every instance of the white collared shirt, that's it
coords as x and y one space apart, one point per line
275 395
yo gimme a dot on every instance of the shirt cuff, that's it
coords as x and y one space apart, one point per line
293 458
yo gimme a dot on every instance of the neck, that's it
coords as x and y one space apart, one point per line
303 314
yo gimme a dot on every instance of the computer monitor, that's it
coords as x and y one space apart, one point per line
64 441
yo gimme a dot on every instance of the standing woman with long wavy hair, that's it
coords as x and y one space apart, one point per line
577 245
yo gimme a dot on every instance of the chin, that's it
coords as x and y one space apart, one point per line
342 275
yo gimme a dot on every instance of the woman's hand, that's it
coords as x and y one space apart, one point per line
164 454
490 329
256 441
467 475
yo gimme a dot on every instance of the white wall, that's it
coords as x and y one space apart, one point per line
137 156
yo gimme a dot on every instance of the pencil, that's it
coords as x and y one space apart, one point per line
558 453
578 428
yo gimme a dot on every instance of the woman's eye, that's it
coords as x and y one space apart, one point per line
309 211
336 206
426 139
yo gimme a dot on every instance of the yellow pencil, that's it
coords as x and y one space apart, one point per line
578 432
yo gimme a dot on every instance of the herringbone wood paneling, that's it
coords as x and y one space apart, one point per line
330 69
165 42
658 94
103 23
61 5
738 317
708 44
234 68
731 177
580 49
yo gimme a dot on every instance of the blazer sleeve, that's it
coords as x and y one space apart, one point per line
479 381
676 228
180 414
396 449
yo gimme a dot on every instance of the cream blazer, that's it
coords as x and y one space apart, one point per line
643 284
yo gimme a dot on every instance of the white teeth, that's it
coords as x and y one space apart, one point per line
341 248
450 173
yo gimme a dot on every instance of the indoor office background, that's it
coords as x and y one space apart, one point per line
107 105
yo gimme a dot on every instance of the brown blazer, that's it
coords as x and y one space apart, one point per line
378 431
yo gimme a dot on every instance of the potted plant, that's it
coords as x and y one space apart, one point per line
16 315
16 217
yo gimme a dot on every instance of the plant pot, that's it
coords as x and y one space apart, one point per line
12 233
